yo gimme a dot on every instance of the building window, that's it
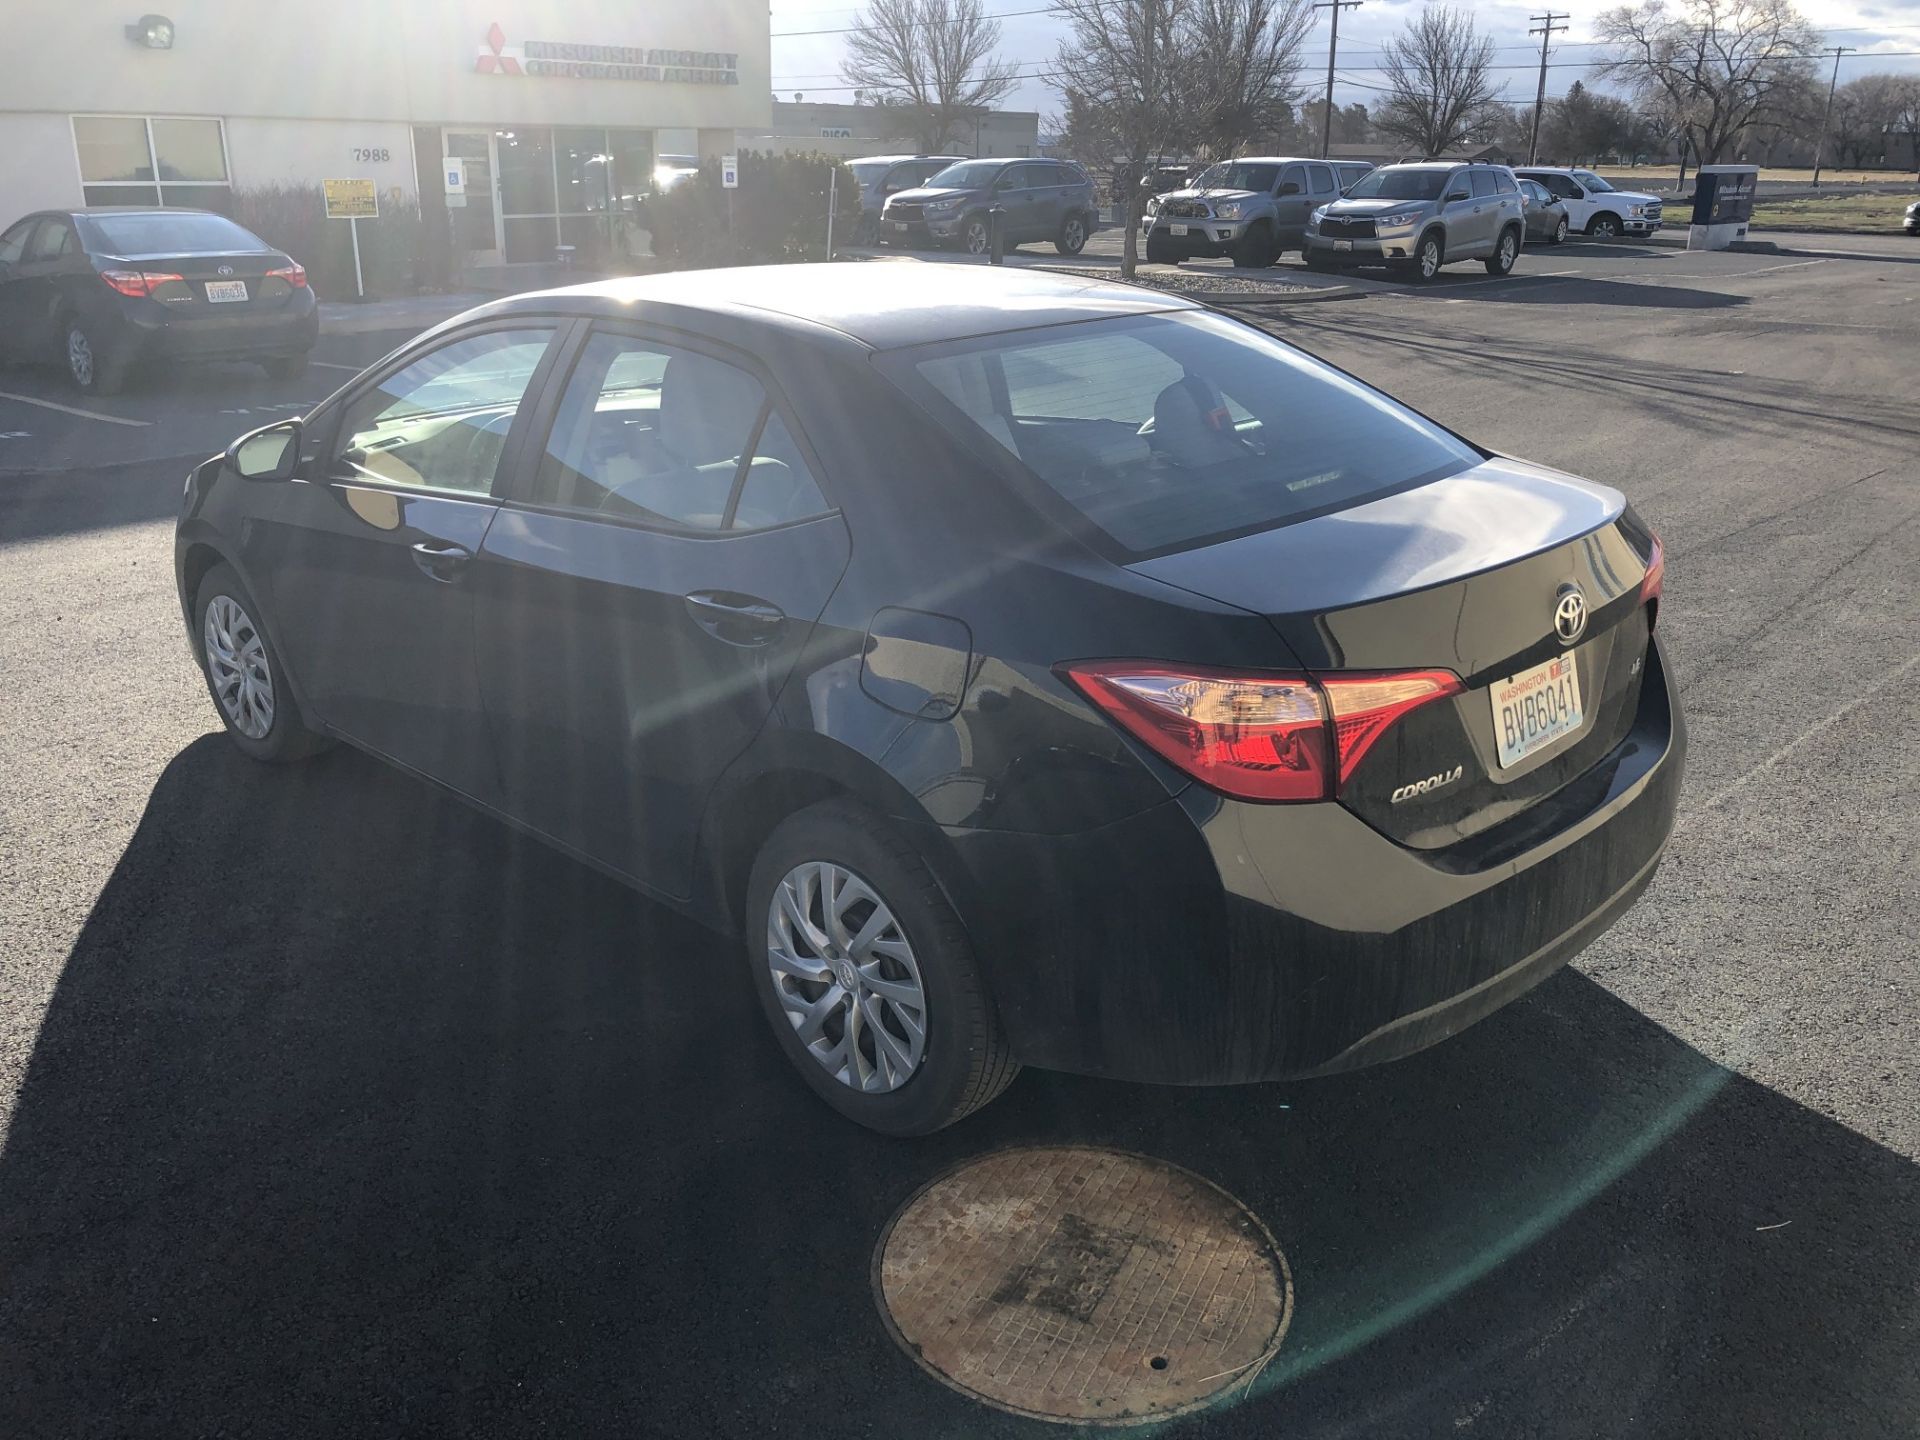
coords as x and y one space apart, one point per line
166 160
573 187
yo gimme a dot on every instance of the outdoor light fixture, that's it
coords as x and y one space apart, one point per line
153 31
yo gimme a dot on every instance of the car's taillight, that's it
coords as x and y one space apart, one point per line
1364 706
137 283
1288 738
1655 579
294 274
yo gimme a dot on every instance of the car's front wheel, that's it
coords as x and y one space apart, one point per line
1504 254
1560 231
244 674
1257 248
1428 258
92 364
1160 250
1604 227
867 976
975 236
1073 235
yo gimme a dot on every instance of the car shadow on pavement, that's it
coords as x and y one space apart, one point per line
1525 289
355 1113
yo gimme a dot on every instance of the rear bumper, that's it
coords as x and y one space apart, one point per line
1209 941
149 333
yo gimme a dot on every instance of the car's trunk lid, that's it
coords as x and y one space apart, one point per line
244 278
1465 575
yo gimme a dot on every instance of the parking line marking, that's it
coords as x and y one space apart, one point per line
336 365
74 410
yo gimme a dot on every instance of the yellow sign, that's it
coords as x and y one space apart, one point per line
351 200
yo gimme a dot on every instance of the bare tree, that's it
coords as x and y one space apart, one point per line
932 60
1906 118
1245 70
1720 66
1128 62
1439 72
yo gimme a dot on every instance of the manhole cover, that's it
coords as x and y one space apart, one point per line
1085 1285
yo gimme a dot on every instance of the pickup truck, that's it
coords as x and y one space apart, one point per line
1593 206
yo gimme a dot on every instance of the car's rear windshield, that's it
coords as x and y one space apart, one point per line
161 233
870 172
1170 431
1398 185
967 175
1232 176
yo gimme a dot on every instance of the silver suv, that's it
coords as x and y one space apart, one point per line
1252 209
1422 217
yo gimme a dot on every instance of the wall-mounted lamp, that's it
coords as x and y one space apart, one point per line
153 31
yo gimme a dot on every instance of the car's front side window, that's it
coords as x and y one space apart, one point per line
440 422
1592 181
656 433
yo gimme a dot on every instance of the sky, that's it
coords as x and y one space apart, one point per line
809 63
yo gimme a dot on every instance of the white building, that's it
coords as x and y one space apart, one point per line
551 107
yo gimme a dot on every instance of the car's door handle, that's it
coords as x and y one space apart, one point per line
441 562
735 618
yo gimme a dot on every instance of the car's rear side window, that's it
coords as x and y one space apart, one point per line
1169 431
1484 184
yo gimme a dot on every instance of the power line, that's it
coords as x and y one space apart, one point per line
849 29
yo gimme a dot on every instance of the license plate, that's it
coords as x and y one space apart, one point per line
896 224
1343 244
1535 708
220 292
1176 229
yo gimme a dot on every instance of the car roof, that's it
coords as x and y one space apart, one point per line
1276 160
896 159
139 210
881 304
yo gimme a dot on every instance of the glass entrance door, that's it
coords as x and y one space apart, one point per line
476 225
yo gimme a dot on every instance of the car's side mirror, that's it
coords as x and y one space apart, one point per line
1290 188
269 454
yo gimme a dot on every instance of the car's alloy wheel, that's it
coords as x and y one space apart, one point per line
1073 235
1427 261
976 237
1501 262
80 358
846 977
1604 227
1560 231
237 667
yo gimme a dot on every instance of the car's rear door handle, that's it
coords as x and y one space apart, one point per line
735 618
440 561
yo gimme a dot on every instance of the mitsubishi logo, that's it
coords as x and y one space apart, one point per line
1570 614
495 58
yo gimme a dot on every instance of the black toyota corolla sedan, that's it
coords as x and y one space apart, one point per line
98 291
1058 674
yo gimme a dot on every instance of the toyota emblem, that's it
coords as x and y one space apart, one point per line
1570 614
224 270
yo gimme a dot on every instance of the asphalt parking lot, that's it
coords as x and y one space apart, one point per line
330 1107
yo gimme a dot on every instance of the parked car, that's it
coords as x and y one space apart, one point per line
98 290
1031 671
1913 218
1039 199
884 175
1421 217
1253 210
1594 207
1546 213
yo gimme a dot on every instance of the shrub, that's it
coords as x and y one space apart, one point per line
779 212
293 218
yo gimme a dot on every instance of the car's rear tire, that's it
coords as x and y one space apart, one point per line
1257 248
1559 232
1604 226
1428 256
92 365
1505 251
1160 250
244 674
285 367
1072 238
900 944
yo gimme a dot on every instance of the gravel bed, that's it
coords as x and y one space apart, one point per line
1189 282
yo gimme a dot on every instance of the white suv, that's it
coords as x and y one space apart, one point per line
1594 206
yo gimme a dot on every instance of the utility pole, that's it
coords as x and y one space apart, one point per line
1546 33
1826 116
1333 46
